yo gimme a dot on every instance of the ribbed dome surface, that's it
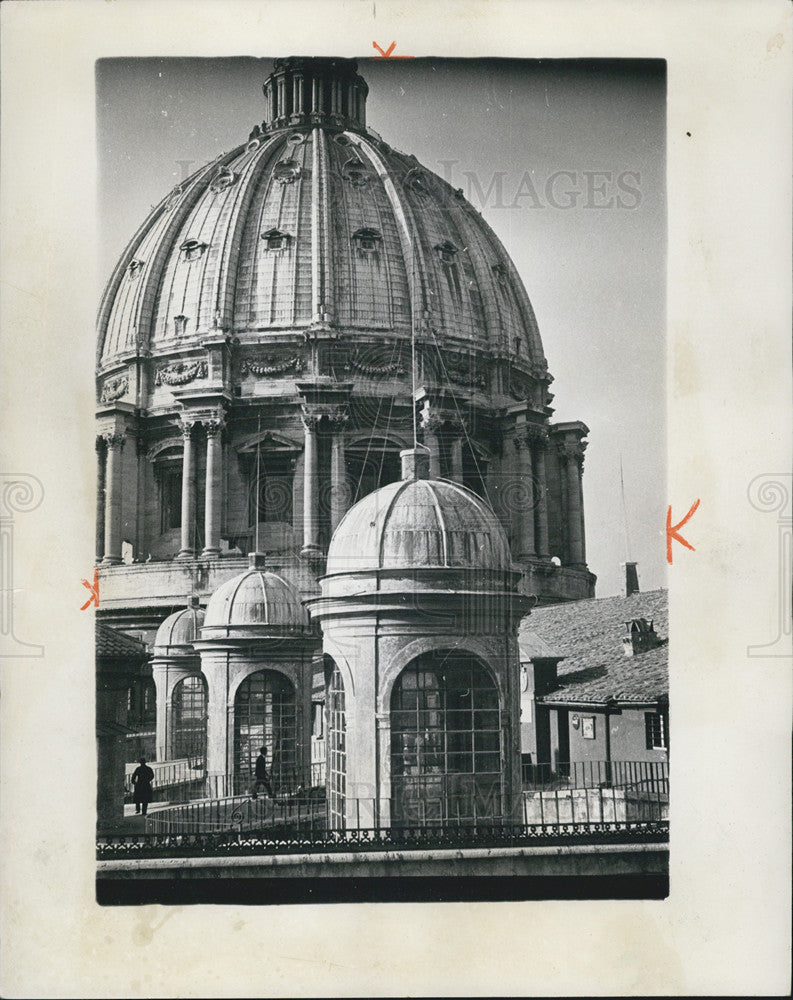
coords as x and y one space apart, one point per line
179 630
421 523
312 224
256 598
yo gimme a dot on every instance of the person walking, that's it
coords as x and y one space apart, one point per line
142 778
262 778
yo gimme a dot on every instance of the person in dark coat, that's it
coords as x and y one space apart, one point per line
262 777
142 777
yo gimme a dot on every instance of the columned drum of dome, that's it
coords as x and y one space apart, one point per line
255 362
419 615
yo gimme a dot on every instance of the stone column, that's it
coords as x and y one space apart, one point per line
457 460
100 498
314 105
214 487
573 453
524 497
311 549
339 490
115 444
540 441
187 550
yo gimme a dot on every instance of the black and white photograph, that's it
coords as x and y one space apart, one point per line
395 498
360 607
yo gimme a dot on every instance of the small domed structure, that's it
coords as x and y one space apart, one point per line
257 601
422 523
180 686
176 635
419 614
256 648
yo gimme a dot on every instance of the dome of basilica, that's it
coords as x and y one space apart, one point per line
313 220
286 322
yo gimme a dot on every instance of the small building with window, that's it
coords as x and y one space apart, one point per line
419 613
595 682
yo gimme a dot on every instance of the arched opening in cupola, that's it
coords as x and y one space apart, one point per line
447 751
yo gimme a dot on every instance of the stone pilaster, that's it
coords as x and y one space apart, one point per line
538 437
113 478
311 549
339 489
524 498
572 453
101 457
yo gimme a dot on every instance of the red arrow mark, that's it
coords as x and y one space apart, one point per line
389 50
672 530
94 588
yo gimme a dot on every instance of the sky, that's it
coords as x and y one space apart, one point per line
566 161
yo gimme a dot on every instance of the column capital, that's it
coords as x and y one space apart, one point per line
537 435
336 415
215 424
572 451
186 424
114 440
100 443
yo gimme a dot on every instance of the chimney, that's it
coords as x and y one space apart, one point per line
257 560
631 579
639 637
415 463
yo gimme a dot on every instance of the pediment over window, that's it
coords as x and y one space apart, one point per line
192 249
446 251
366 239
356 173
287 171
275 239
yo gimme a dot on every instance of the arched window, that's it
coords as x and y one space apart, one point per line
189 718
447 757
337 750
265 716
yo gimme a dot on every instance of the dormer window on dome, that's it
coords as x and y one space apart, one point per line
222 180
192 249
355 173
500 273
274 239
416 181
180 325
287 171
446 251
367 240
135 267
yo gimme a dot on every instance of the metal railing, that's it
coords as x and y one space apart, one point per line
187 781
313 837
596 792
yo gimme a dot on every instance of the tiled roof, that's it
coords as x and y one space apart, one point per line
588 634
110 642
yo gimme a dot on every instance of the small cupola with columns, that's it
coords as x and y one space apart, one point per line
314 91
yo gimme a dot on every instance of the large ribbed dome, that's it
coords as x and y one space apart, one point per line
419 523
315 220
256 599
